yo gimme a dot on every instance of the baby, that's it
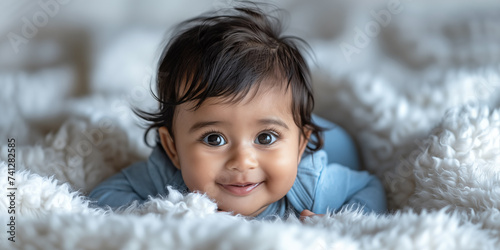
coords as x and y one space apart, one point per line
235 123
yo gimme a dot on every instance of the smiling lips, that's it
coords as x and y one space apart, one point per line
240 189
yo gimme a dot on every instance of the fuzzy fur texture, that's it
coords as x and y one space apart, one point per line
427 126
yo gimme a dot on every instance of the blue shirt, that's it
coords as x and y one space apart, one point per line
319 186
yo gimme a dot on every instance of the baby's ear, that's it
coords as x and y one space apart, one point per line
304 140
169 146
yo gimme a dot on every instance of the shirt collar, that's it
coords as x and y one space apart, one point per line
160 160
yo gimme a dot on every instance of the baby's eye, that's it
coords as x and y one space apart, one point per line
214 140
265 139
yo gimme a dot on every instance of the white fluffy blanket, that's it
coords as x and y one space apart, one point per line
424 107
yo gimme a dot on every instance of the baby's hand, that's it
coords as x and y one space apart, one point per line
306 213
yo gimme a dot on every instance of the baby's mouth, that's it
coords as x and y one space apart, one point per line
240 189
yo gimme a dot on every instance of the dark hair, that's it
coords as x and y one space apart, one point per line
225 54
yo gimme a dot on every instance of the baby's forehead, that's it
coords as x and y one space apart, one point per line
279 90
268 94
230 91
262 105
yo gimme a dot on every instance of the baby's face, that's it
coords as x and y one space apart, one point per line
243 155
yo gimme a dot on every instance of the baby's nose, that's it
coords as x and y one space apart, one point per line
242 159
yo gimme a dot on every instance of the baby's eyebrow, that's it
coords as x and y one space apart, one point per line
274 121
200 125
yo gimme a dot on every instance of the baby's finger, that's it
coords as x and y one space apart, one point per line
306 213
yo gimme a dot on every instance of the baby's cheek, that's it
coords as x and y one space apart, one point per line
282 177
212 191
